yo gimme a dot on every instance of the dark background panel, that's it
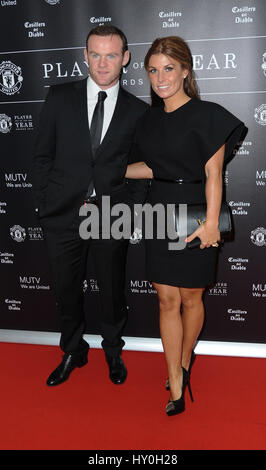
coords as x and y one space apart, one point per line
44 41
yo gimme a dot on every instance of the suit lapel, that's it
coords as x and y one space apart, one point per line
81 105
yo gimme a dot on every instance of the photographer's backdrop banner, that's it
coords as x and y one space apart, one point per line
42 44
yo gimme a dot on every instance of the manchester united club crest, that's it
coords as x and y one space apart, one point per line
10 78
263 65
260 115
258 236
5 123
136 237
52 2
18 233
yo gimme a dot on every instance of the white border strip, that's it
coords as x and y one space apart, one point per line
215 78
148 96
19 102
212 348
129 44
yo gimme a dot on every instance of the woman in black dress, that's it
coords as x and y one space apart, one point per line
186 140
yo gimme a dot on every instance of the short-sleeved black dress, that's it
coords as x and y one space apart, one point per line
177 145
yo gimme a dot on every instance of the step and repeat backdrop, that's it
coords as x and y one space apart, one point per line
42 43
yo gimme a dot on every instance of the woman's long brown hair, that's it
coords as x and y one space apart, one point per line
176 48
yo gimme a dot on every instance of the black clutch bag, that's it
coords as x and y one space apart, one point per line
196 215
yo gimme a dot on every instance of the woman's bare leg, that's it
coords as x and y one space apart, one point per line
171 329
192 320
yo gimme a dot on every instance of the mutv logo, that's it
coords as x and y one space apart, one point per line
259 290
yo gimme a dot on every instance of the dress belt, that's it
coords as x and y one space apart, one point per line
178 181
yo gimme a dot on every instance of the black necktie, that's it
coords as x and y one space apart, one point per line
96 132
97 122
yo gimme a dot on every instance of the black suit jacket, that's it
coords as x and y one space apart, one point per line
63 164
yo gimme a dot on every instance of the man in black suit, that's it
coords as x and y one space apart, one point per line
71 168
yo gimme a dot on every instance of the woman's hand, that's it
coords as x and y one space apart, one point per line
138 170
208 234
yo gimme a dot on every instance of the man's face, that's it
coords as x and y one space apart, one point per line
105 59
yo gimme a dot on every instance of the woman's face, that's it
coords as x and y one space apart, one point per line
166 76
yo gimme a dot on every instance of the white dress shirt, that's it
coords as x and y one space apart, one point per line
109 104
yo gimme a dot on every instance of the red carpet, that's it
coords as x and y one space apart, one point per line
89 412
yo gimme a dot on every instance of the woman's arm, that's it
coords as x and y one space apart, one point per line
138 170
214 186
209 232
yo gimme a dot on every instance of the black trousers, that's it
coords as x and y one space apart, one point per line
68 255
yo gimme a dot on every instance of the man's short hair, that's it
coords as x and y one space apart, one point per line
109 30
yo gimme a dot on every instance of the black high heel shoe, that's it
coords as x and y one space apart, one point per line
193 357
175 407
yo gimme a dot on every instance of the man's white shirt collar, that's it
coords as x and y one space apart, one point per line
93 90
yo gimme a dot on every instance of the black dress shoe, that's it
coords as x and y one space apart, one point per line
117 369
192 360
174 407
70 361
